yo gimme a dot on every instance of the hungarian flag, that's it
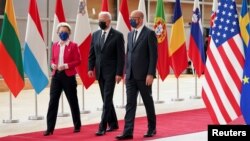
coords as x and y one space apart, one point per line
123 24
196 50
35 55
105 6
11 64
58 18
160 28
177 48
83 38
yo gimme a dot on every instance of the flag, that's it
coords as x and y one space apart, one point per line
142 8
196 50
35 55
83 38
105 6
160 28
58 18
245 31
221 88
11 64
123 24
177 48
213 15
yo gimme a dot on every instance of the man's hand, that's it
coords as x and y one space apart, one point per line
149 80
91 74
118 79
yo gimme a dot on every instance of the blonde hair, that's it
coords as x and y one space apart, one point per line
63 24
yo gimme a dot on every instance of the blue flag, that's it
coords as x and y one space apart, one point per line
245 95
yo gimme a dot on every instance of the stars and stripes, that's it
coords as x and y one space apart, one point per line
221 88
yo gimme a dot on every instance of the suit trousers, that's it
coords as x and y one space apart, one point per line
61 82
107 85
133 87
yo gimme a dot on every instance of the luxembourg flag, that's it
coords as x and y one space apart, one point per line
83 38
58 18
196 44
35 55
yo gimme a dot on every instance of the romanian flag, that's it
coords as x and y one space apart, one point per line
245 93
105 6
35 56
160 28
177 49
196 50
11 67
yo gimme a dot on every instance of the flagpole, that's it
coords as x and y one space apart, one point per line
195 96
123 87
10 120
62 114
123 84
177 98
158 101
83 103
36 117
148 12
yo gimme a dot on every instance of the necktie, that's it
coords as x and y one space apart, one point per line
103 39
134 39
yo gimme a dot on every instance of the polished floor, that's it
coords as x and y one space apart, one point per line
176 95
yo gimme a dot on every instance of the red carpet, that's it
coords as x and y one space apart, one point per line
170 124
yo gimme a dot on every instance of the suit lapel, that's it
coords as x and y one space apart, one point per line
139 38
99 36
109 36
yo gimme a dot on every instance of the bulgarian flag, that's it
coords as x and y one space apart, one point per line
11 67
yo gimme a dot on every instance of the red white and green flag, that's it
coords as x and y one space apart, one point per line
160 28
11 66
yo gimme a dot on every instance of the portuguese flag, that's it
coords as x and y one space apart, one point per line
160 28
11 67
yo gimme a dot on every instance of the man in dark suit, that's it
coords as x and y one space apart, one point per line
107 57
140 73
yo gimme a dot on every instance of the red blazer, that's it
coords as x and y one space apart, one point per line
71 57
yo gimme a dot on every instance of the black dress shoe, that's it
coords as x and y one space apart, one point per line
150 133
100 133
47 133
76 130
124 137
110 129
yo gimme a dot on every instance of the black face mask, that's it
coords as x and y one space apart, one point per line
102 25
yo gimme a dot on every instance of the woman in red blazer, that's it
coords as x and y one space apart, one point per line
65 57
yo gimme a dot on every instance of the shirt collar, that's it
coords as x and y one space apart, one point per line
139 30
60 43
107 30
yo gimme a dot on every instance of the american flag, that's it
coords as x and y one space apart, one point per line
221 88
